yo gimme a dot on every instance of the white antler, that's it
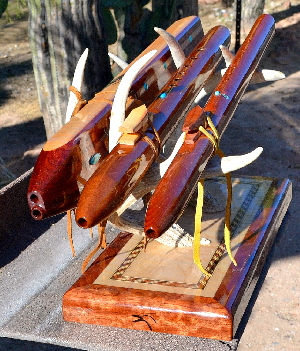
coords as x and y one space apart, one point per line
119 103
227 55
121 63
266 75
77 83
163 166
132 221
176 50
230 163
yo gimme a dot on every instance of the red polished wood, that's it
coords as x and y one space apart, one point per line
54 186
176 187
215 317
239 282
90 303
121 170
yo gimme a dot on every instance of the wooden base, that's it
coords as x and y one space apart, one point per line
161 289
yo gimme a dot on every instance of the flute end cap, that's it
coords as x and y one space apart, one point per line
37 213
151 233
82 222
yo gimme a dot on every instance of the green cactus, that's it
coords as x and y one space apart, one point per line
129 23
128 26
3 6
109 25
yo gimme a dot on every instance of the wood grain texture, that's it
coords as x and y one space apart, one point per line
65 158
215 316
114 306
121 170
179 182
239 282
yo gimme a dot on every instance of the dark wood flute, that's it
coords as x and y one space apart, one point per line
70 157
177 185
121 170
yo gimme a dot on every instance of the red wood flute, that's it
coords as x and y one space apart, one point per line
69 157
121 170
176 187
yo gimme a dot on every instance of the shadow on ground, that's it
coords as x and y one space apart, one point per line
7 344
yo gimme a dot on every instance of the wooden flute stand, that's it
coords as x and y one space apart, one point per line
161 290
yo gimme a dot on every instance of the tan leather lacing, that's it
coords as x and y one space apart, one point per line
156 148
80 101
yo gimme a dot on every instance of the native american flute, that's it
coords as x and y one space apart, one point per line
70 157
178 183
121 170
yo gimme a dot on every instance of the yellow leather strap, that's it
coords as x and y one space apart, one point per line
214 138
197 232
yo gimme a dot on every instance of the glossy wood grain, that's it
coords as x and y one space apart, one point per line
239 282
178 184
67 157
121 170
91 303
216 316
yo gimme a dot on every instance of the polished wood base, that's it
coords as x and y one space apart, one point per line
160 289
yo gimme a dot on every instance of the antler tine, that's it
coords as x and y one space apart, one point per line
225 165
176 50
163 166
156 172
119 104
77 83
230 164
227 55
121 63
266 75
